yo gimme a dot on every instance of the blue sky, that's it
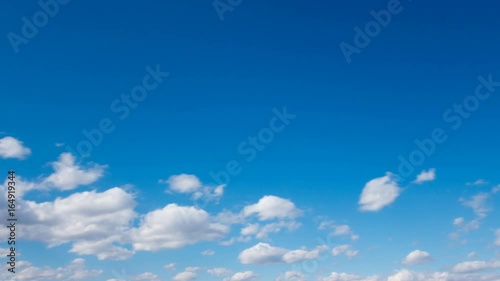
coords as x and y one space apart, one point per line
241 140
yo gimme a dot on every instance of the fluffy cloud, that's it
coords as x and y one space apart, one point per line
424 176
208 252
185 276
378 193
417 257
291 276
335 276
174 227
262 232
344 230
403 275
183 183
13 148
344 250
25 271
170 266
242 276
478 182
67 175
263 253
273 207
478 204
475 266
219 271
497 241
86 218
147 276
190 184
406 275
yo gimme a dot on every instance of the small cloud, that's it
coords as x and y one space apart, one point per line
190 184
242 276
170 266
478 182
219 271
344 250
147 276
496 189
68 175
424 176
379 193
13 148
478 203
185 276
208 252
471 255
59 144
458 221
417 257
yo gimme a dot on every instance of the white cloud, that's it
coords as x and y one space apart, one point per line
458 221
266 229
147 276
242 276
497 241
344 250
183 183
477 182
378 193
417 257
471 255
402 275
174 227
478 204
25 271
263 253
13 148
475 266
496 189
219 271
344 230
87 219
273 207
424 176
208 252
335 276
185 276
190 184
291 276
170 266
250 229
68 176
192 268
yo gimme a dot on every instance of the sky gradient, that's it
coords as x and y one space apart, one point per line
245 140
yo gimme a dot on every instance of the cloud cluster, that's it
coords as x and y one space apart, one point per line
263 253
